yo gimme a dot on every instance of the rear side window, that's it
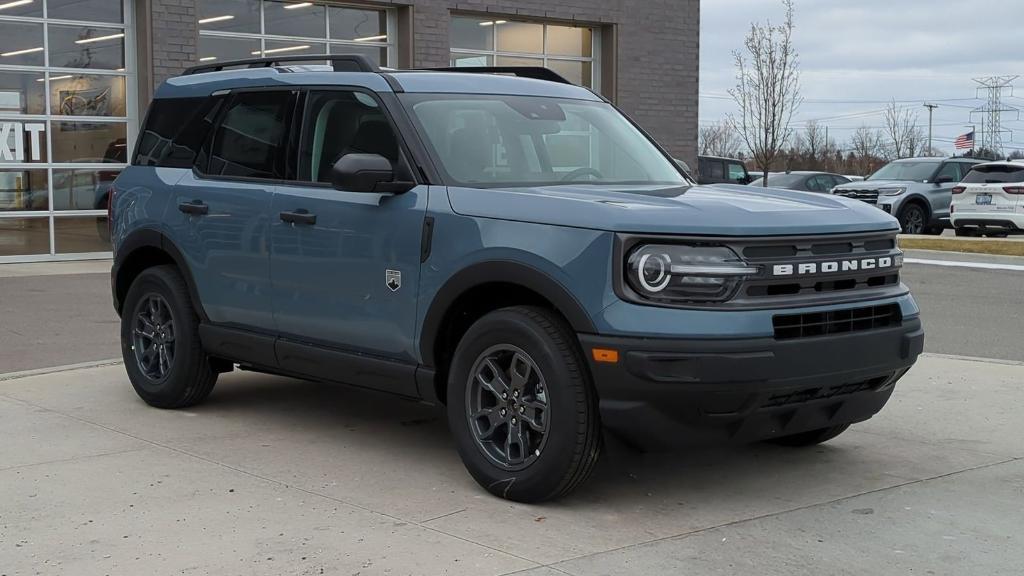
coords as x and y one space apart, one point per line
996 174
175 131
250 140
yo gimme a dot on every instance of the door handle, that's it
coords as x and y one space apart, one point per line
299 216
194 207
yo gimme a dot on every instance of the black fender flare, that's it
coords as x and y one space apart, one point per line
918 199
150 238
503 271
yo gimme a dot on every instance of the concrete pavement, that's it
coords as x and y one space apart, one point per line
277 476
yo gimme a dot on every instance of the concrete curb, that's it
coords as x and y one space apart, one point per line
64 368
997 246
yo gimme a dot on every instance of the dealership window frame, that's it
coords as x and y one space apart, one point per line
595 58
129 120
390 45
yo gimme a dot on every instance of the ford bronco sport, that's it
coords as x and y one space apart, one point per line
505 244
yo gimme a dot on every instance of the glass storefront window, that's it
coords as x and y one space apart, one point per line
67 117
94 142
87 95
570 41
80 234
23 190
518 36
89 10
293 18
358 25
22 93
493 40
84 189
240 29
24 236
21 44
86 47
214 48
229 16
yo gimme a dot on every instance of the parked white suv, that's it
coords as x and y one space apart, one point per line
990 200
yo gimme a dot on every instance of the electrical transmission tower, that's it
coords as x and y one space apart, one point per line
992 112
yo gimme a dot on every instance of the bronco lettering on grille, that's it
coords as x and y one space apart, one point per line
832 266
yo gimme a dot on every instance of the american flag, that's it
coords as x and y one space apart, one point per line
965 141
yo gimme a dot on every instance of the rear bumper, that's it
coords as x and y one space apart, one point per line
664 393
1006 222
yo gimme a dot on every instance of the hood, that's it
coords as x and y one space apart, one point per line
721 210
874 184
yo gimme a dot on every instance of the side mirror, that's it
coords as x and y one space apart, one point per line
943 179
366 173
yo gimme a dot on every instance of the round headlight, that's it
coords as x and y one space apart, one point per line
653 272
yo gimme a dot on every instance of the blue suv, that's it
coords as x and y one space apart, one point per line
502 243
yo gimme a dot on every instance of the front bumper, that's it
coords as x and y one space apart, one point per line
666 392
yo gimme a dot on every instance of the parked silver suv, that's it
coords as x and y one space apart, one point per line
917 191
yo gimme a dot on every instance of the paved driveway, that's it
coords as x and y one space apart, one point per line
275 476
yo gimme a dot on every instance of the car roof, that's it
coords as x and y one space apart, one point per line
1014 163
206 83
707 157
938 159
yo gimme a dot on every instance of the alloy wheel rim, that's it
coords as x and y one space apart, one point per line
915 222
507 407
153 337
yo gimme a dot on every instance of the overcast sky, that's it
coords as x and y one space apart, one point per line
855 55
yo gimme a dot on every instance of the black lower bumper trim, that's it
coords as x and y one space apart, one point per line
665 393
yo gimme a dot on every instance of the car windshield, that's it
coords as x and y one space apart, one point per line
780 180
909 171
508 141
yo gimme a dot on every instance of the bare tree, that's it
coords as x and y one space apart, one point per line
767 90
719 139
867 146
814 141
905 136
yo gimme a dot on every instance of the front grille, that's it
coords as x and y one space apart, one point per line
811 324
821 286
869 196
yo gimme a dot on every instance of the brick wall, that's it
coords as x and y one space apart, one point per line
656 62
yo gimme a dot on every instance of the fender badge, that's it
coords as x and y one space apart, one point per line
393 278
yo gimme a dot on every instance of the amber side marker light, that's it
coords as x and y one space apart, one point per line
605 355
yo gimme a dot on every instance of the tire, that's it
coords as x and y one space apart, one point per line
964 232
182 376
810 438
561 442
935 230
913 219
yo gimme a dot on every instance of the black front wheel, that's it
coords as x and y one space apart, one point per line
160 341
913 219
521 406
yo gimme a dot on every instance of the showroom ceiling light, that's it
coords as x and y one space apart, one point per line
299 5
493 22
100 38
285 49
216 19
207 58
52 78
20 52
371 38
7 5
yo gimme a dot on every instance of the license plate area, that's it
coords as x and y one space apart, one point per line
983 199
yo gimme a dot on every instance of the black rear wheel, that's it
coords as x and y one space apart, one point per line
521 406
160 341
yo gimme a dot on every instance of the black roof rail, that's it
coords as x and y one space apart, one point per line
535 72
340 62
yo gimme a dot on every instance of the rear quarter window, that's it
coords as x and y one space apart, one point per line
997 174
175 131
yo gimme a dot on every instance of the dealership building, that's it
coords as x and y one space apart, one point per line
76 77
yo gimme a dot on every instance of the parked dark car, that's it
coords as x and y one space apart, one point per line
718 170
808 181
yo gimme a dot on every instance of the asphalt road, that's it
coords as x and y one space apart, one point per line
62 319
